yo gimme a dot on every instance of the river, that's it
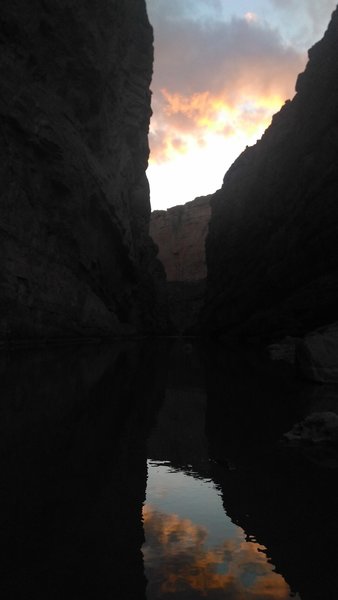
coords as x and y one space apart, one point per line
157 469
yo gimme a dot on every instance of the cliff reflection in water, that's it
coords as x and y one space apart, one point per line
225 499
192 548
73 428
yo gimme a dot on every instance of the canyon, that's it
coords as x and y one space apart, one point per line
83 259
77 260
271 252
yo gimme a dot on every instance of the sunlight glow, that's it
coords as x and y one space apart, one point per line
193 162
251 17
221 71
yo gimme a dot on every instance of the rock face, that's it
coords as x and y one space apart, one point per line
180 233
272 248
76 258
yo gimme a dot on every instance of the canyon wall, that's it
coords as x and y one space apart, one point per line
180 234
272 248
76 258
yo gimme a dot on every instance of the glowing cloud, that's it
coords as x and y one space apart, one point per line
178 554
218 79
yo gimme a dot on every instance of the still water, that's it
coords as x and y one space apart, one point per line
194 550
154 470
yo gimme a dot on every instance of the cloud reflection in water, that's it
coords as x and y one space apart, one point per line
203 555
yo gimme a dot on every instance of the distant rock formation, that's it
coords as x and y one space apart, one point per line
272 248
180 233
76 258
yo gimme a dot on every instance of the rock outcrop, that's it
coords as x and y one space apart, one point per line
76 258
180 234
272 248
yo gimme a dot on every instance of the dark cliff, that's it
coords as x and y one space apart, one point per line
76 258
180 233
272 249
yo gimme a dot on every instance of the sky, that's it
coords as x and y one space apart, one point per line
222 68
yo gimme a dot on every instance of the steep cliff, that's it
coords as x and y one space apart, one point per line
75 254
272 248
180 233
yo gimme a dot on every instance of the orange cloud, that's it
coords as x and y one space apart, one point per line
187 121
191 106
227 77
217 82
178 553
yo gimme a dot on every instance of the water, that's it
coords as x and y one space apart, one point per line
154 470
194 550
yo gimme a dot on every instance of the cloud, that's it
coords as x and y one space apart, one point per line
315 8
315 12
251 17
180 560
178 10
216 76
193 56
219 76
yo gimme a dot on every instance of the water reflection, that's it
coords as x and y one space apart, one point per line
192 548
73 424
76 428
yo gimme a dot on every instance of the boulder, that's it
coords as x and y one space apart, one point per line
319 427
317 355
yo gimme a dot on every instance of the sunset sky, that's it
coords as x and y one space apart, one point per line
222 69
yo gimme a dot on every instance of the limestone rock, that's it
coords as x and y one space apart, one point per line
76 259
272 247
